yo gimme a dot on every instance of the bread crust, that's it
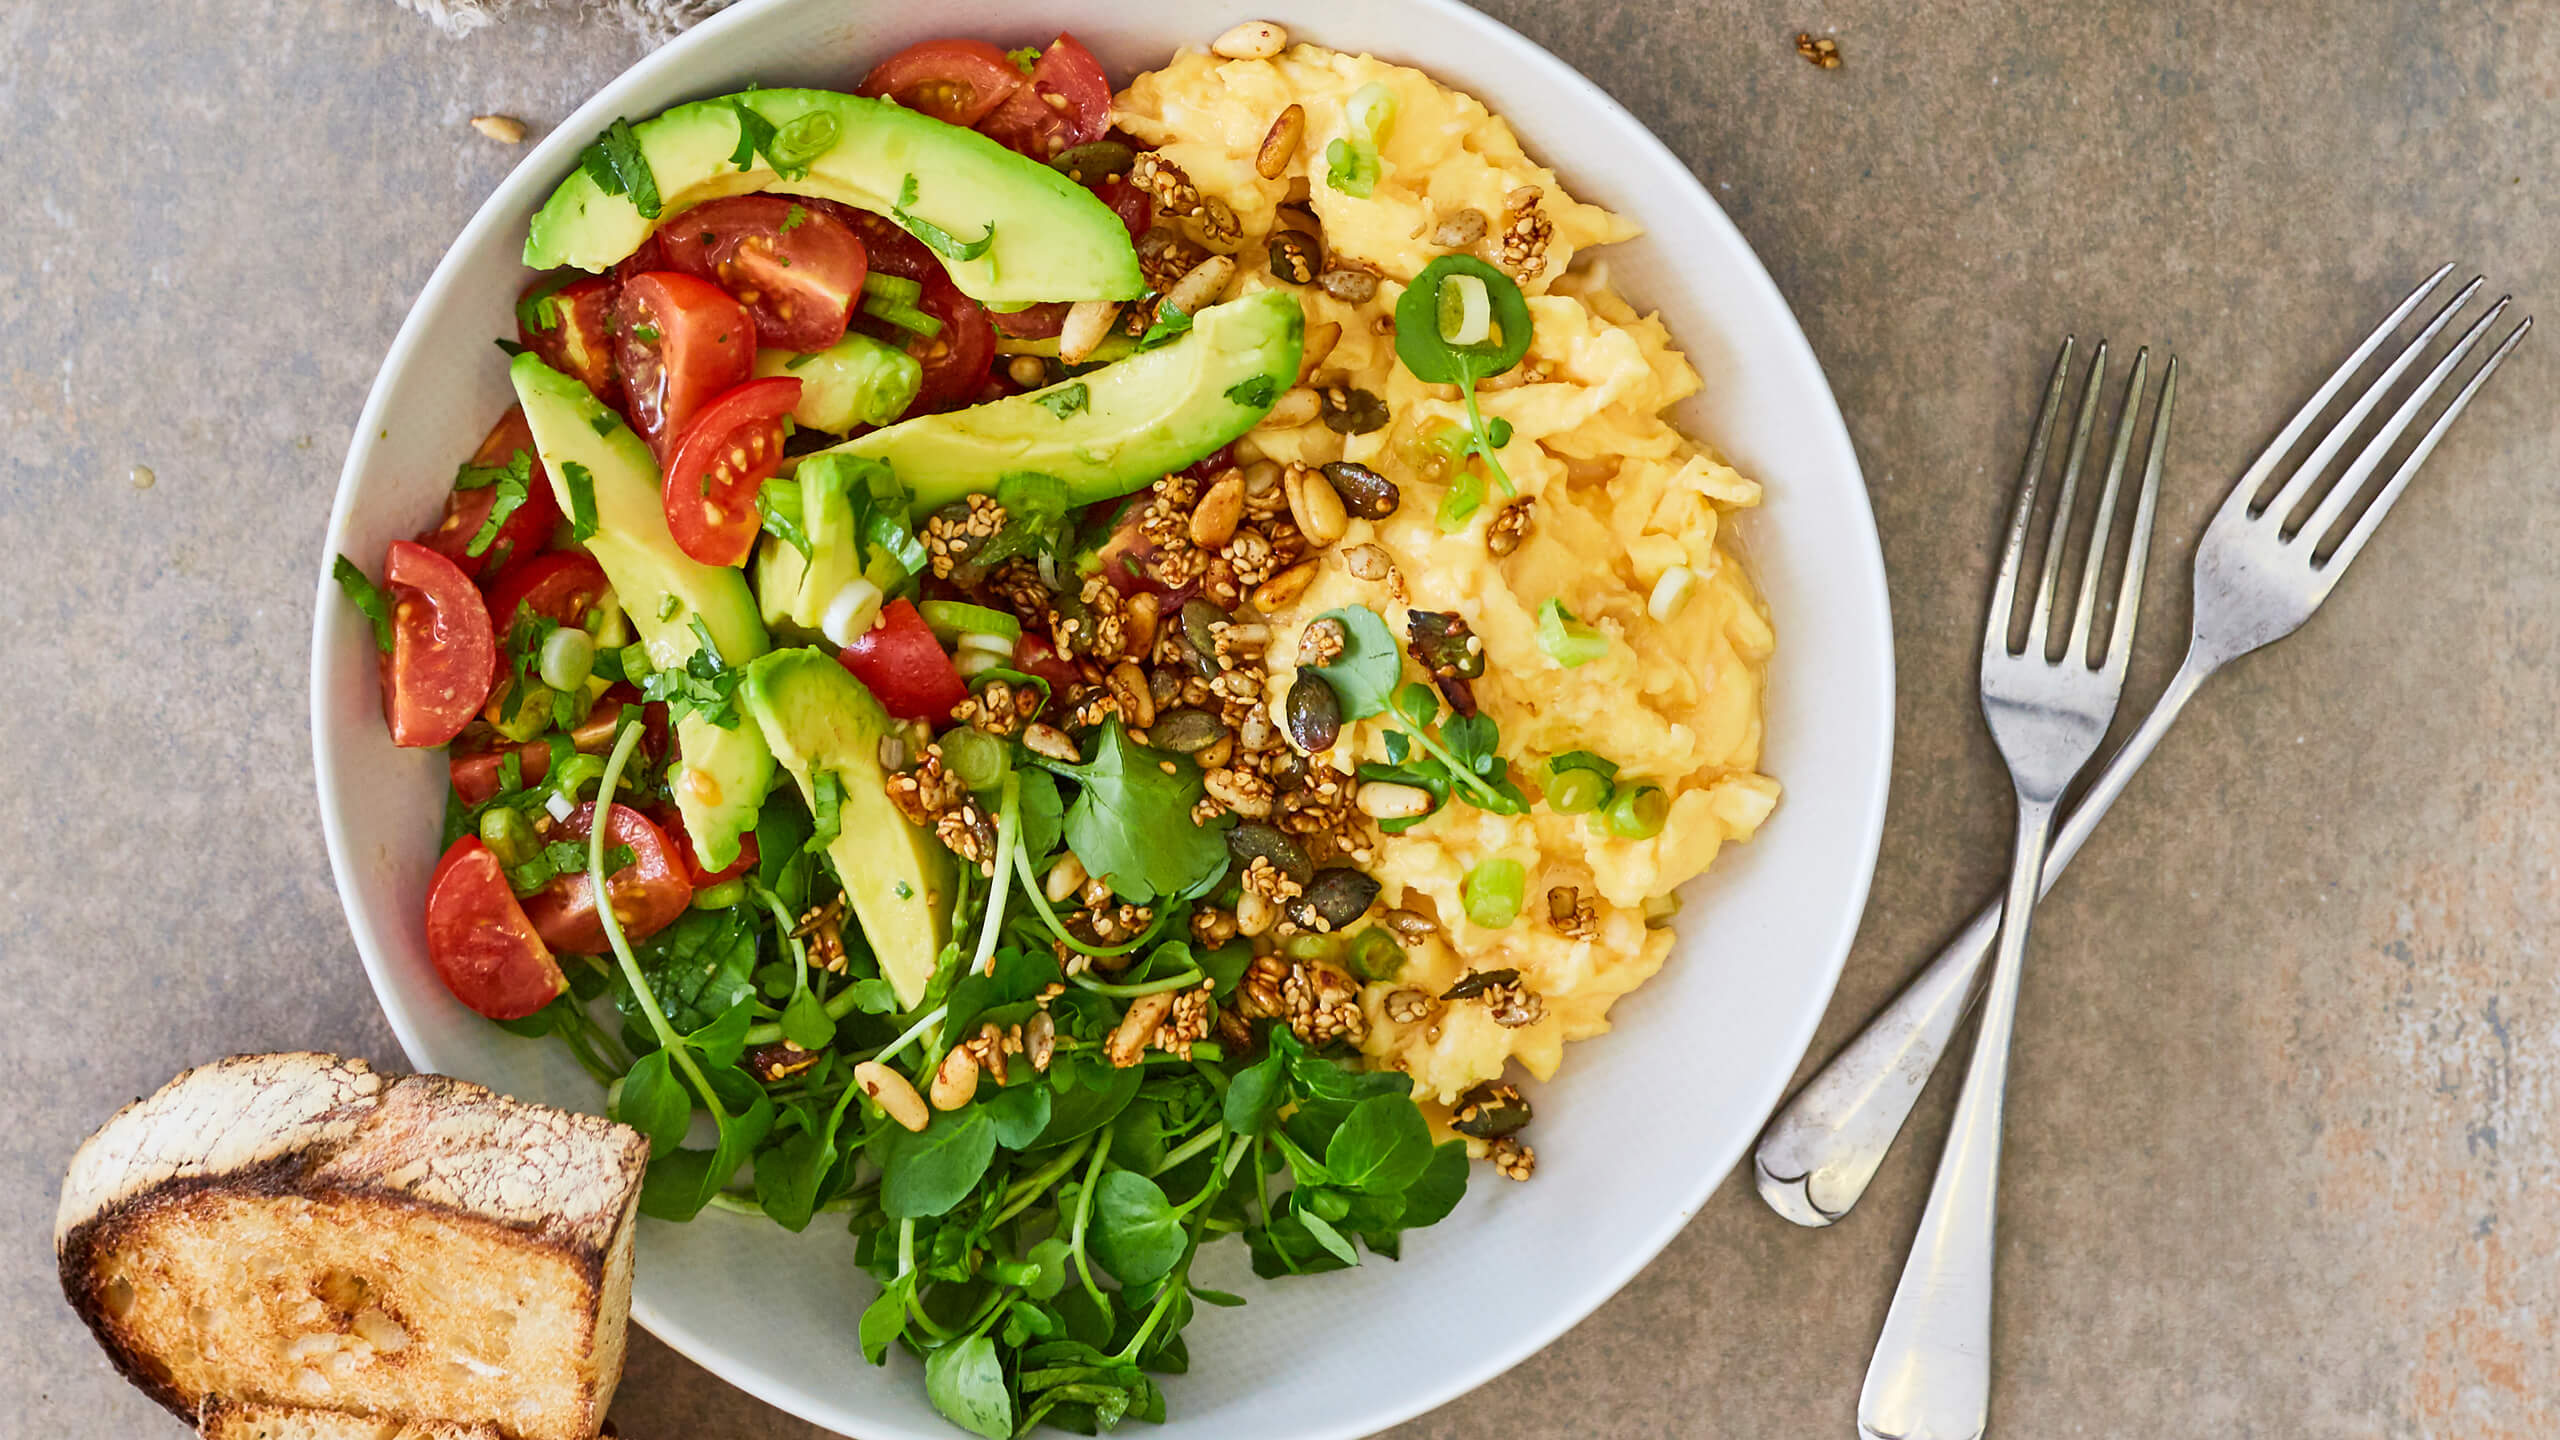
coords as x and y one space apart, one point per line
308 1129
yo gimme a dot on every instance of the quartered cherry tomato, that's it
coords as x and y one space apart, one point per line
484 949
679 340
476 776
525 530
565 325
648 894
904 666
725 456
443 656
955 81
1066 102
561 586
1130 203
671 820
796 268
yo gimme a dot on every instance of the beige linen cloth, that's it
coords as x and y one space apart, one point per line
656 21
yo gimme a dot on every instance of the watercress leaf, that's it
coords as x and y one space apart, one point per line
1225 965
1136 1234
721 1042
1365 674
1254 1094
1131 821
1325 1235
367 597
1081 1109
675 1187
1382 1147
885 1319
965 1381
789 1173
653 1101
875 996
699 968
1224 1300
928 1171
1137 1136
1023 973
805 1021
1436 361
1438 1189
1018 1113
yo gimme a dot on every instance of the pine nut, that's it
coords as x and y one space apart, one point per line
1255 914
892 1092
1318 347
956 1083
1139 618
1282 590
1047 739
1137 702
1252 40
1317 507
1138 1027
1039 1039
1295 407
1214 523
1202 285
1280 143
505 129
1366 562
1064 879
1087 323
1385 800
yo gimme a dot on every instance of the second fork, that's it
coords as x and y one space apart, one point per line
2048 704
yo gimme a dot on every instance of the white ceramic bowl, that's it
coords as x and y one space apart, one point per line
1643 1123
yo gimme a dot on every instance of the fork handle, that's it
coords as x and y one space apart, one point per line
1930 1378
1825 1144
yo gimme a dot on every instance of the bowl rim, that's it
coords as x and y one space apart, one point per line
1859 551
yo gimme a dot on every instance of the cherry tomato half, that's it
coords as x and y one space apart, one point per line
568 330
526 530
648 894
484 949
726 455
1034 655
671 820
1038 322
904 666
955 362
476 776
562 585
1039 126
1130 203
955 81
679 340
796 268
443 656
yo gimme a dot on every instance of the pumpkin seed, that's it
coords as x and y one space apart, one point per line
1476 982
1442 643
1254 840
1200 620
1099 160
1347 410
1335 899
1296 256
1490 1111
1364 491
1315 713
1186 731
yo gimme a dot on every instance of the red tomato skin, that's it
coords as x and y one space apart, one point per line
1039 322
475 776
443 656
522 533
1134 207
1031 124
956 362
578 345
560 585
798 278
649 893
709 495
671 820
679 341
1034 655
483 947
956 81
904 666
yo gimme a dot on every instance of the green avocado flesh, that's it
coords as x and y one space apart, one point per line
1052 239
794 590
898 879
856 381
725 770
1135 419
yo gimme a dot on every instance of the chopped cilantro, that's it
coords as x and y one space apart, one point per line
367 597
619 167
606 423
754 133
519 467
1066 400
1024 59
936 239
538 310
793 219
510 492
796 361
648 334
508 348
1254 392
582 500
1170 322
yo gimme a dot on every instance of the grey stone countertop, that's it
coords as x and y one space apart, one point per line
2284 1156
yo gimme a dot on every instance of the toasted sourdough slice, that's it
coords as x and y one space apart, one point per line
296 1230
279 1422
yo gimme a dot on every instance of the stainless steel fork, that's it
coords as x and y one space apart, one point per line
2048 704
2258 577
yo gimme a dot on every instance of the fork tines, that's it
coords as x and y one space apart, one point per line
2311 505
2102 526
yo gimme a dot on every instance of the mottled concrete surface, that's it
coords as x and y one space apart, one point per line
2283 1155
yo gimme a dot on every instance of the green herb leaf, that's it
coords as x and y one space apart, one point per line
1131 821
654 1102
793 219
1137 1235
936 239
375 605
1254 392
619 167
1383 1146
537 310
826 810
1170 322
1321 1228
1366 673
1069 399
755 134
1043 814
1024 59
965 1381
1254 1096
510 495
581 485
928 1171
805 1021
778 512
1438 1189
1019 1113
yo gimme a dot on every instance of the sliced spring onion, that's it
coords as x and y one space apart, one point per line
1371 111
979 760
894 289
905 317
851 612
977 641
1637 813
973 663
1566 640
568 658
1466 311
1672 593
1493 892
951 619
559 806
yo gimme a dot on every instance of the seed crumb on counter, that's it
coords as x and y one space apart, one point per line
505 129
1821 54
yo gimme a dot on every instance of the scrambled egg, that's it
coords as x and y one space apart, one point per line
1616 497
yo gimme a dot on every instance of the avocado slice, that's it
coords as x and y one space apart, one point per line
794 590
725 770
856 381
1052 239
819 719
1135 420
